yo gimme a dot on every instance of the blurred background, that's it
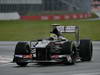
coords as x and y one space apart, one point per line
28 16
41 7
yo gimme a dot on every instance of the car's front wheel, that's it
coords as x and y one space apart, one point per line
22 48
22 64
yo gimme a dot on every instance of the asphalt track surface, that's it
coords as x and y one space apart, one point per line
81 68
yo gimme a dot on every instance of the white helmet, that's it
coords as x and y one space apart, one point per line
54 25
54 36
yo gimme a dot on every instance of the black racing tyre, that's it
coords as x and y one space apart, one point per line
85 50
22 48
22 64
69 49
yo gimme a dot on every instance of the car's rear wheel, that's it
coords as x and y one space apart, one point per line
22 48
86 50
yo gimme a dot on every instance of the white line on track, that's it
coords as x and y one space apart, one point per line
98 73
5 59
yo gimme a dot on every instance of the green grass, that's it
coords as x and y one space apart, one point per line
28 30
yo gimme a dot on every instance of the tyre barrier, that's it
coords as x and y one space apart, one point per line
9 16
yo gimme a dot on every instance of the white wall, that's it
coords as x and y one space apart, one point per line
20 1
9 16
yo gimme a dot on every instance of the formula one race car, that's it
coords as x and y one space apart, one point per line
56 49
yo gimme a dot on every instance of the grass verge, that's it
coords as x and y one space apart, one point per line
27 30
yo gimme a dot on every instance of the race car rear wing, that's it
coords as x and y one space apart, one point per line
69 29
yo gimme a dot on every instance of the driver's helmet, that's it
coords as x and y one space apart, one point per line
53 36
55 25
